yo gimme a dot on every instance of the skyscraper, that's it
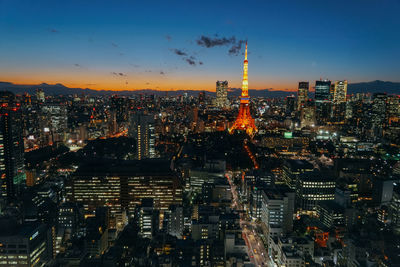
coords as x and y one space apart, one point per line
221 100
323 101
142 129
290 104
378 116
244 121
340 91
12 169
302 94
322 90
119 105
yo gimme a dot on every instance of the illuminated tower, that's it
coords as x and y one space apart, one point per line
340 91
244 121
302 94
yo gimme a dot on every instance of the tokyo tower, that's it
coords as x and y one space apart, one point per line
244 121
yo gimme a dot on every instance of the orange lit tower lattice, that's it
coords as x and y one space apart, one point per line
244 121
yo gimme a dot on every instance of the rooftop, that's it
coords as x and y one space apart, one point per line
125 168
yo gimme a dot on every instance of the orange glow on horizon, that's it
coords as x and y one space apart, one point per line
106 81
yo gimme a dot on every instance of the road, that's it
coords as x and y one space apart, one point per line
255 247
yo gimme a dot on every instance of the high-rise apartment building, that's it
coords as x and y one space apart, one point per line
142 129
340 92
12 169
221 100
302 94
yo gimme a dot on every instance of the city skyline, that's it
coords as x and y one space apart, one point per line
183 158
188 47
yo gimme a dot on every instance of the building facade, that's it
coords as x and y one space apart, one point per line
221 100
142 129
302 94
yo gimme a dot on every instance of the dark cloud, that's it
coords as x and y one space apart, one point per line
147 83
147 71
215 41
236 48
120 74
234 44
191 61
114 44
77 65
162 73
52 30
200 62
179 52
168 37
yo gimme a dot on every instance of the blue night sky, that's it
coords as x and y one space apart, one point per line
158 44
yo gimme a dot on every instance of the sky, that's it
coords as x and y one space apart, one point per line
171 45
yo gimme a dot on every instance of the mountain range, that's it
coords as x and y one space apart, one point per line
59 89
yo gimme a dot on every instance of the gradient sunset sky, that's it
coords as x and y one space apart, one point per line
169 45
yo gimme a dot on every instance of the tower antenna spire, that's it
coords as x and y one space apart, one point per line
245 53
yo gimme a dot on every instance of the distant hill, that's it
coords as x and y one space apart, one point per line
374 87
59 89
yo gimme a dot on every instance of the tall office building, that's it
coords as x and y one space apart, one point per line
322 90
378 116
221 100
123 185
40 95
302 94
313 188
293 168
332 92
277 210
12 169
24 244
290 104
148 218
142 129
394 209
56 120
307 115
120 106
323 101
340 92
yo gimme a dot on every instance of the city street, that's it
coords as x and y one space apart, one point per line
255 247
